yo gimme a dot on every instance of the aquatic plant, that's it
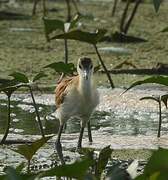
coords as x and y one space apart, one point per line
28 150
126 22
52 25
162 98
156 167
9 86
90 167
158 99
89 37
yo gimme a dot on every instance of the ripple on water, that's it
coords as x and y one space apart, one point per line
26 107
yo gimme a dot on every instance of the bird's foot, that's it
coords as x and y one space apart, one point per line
58 148
79 147
90 142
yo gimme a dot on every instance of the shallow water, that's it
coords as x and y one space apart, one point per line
121 121
117 114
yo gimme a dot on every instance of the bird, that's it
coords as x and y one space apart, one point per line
76 96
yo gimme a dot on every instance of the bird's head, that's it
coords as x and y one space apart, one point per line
85 68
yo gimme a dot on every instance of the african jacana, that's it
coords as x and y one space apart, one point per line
76 97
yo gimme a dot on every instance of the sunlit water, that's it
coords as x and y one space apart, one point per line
116 115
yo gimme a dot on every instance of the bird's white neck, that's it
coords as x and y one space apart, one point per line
85 86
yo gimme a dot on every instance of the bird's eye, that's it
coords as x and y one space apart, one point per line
80 66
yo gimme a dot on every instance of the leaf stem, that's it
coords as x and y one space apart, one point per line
124 16
28 166
8 122
114 8
37 113
160 118
125 29
104 67
66 50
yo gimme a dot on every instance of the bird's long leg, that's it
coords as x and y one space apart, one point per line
58 145
79 145
89 132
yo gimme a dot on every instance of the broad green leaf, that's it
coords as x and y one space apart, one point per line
158 162
8 86
154 79
157 4
39 76
50 25
88 37
29 150
116 50
104 156
76 170
20 77
61 67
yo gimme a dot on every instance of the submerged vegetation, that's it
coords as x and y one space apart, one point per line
51 39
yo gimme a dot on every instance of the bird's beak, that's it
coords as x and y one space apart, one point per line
85 74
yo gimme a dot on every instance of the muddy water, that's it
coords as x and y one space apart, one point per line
116 115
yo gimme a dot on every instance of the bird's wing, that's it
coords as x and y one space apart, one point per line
61 90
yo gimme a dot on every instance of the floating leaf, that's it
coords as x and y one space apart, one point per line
157 4
104 155
76 170
39 76
61 67
20 77
89 37
116 50
29 150
155 79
